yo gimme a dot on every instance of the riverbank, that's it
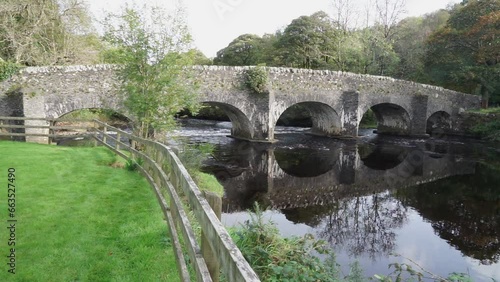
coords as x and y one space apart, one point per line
83 218
484 124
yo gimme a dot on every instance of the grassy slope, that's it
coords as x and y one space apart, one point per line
80 219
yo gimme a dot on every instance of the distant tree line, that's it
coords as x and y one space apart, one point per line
458 47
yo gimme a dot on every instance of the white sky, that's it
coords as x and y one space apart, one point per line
215 23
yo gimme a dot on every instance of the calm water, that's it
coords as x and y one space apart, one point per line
376 200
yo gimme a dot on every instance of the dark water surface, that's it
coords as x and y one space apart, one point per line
435 202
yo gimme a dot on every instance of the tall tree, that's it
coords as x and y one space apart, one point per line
154 48
43 32
379 39
343 12
409 43
242 51
307 41
464 55
389 13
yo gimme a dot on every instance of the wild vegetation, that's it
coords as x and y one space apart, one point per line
276 258
7 69
152 48
489 130
47 32
192 157
256 80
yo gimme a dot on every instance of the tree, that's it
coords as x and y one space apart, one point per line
198 58
242 51
409 43
463 55
307 41
45 32
389 12
153 46
343 12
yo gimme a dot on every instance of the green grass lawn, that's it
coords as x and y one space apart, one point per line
80 219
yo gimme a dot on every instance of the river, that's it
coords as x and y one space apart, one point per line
430 203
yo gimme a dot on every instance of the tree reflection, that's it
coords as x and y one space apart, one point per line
464 211
363 225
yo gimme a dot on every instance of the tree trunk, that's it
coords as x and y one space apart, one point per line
485 97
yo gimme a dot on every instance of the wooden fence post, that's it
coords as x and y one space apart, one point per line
51 131
95 134
118 136
211 260
104 130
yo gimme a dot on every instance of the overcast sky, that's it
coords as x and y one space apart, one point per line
215 23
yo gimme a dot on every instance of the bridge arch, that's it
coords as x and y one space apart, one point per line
392 118
439 123
105 111
325 120
241 124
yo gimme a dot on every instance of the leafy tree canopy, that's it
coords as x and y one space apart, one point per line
46 32
153 47
465 53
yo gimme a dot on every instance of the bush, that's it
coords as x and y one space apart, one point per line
489 131
256 80
133 164
275 258
7 69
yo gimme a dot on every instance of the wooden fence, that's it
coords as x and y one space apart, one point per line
20 128
210 253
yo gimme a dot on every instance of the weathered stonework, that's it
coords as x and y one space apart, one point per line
336 100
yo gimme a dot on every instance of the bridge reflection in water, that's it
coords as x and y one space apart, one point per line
357 195
294 177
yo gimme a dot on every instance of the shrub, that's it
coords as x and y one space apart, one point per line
256 80
489 131
133 164
275 258
7 69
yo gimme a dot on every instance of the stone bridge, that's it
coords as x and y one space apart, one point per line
336 100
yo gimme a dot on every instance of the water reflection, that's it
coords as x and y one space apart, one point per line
286 176
464 211
361 195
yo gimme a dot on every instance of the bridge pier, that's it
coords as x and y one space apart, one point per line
349 117
419 106
34 107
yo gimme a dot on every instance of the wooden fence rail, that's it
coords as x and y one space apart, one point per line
179 197
43 127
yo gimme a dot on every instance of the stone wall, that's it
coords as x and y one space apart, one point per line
54 91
